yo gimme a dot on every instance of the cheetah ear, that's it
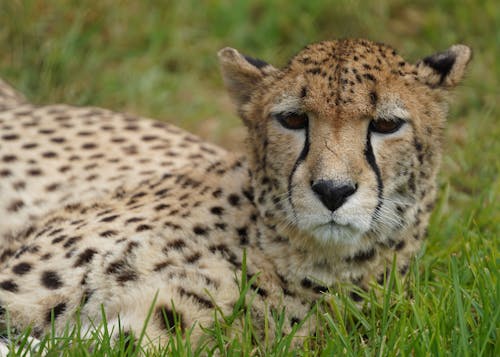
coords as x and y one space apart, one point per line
444 69
242 74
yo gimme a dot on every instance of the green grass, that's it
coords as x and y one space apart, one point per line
157 58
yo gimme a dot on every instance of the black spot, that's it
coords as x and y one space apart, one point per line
130 247
71 241
9 158
138 195
9 137
15 206
162 192
49 154
108 233
369 76
381 278
58 140
161 206
110 218
169 318
320 289
306 283
191 259
21 268
29 146
122 271
85 257
89 146
5 172
143 227
46 131
221 226
127 275
411 183
373 98
256 62
233 199
134 219
115 267
243 235
52 187
197 298
314 71
217 210
34 172
363 256
355 296
400 245
404 269
51 280
177 244
9 285
56 311
46 256
294 320
199 230
161 266
303 92
59 239
129 343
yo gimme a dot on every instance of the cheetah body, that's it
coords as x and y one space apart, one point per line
105 209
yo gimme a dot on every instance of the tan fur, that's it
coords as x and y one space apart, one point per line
126 212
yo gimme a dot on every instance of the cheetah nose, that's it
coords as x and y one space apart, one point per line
333 196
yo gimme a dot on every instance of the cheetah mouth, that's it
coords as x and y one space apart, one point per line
334 231
334 225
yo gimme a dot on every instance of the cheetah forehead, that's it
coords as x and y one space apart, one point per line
351 75
341 55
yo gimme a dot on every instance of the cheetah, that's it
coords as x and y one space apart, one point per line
104 211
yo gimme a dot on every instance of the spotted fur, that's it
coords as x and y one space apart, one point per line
106 209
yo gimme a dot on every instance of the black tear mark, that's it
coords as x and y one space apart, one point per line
370 158
302 156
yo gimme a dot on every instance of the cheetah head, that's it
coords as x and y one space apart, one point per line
344 142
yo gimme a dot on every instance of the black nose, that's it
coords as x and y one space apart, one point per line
333 196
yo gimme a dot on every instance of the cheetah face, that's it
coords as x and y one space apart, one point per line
344 140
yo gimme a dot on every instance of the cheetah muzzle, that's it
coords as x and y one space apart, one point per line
102 209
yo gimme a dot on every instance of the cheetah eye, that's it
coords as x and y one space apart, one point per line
385 126
293 121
